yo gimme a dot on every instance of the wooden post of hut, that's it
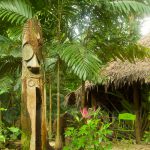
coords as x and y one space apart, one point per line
136 101
83 95
33 109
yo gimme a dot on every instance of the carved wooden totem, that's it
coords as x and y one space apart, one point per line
33 117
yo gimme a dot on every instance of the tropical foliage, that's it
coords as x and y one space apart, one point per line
15 11
80 36
89 135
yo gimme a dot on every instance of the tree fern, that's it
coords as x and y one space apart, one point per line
15 11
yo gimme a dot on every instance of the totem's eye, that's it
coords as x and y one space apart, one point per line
27 52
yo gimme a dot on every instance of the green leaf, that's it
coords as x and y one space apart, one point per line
2 138
14 129
83 62
15 11
5 84
128 6
3 109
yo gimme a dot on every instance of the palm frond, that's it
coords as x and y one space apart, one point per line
128 6
9 47
123 6
126 52
84 63
5 84
50 63
15 11
9 64
4 39
134 51
130 52
15 33
5 44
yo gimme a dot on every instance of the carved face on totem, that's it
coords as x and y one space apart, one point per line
32 42
31 59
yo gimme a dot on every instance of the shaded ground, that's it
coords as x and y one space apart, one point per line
131 147
122 146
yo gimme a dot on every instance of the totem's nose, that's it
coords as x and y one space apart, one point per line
33 65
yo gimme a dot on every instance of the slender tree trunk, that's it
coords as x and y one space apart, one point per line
58 144
11 97
83 94
50 109
0 111
137 113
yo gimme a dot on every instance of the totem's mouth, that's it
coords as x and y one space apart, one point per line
34 70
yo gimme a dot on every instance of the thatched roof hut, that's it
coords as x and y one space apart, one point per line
123 75
118 74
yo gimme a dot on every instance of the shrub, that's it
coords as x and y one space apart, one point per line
91 136
7 133
146 137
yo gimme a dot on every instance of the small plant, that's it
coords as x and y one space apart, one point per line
91 136
14 133
146 137
7 133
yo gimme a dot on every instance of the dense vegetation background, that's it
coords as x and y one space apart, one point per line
80 37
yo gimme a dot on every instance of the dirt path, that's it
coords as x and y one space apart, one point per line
131 147
122 146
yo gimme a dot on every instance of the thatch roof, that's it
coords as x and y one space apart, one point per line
120 73
125 72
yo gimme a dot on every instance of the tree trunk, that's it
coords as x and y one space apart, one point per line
136 100
0 111
11 99
50 109
58 143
